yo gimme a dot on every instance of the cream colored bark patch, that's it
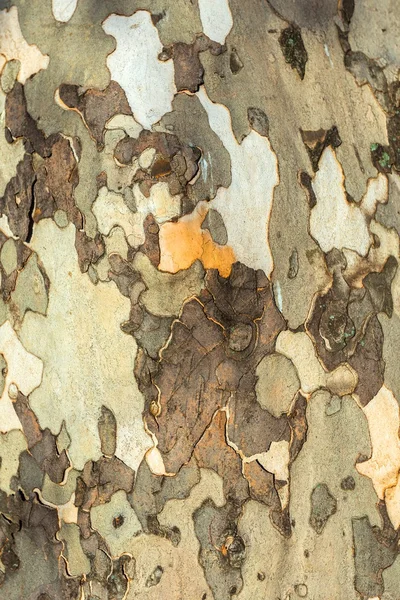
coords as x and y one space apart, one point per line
125 122
155 461
146 158
276 461
335 222
148 83
246 205
110 211
160 203
88 359
216 19
299 348
5 227
115 244
24 373
14 46
63 9
358 267
14 153
383 467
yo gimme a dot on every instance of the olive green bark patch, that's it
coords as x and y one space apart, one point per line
216 531
38 563
152 492
61 218
59 494
9 75
77 561
371 557
293 49
107 431
116 521
8 256
215 225
323 506
334 405
12 444
30 474
3 373
189 121
175 288
30 291
63 440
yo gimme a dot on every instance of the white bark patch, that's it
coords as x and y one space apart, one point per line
14 46
88 360
216 19
24 373
147 82
246 205
63 9
335 222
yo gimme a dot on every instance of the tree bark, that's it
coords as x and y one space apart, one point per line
200 299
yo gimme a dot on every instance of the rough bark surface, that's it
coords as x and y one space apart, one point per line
199 299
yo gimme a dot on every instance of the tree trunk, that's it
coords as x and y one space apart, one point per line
200 299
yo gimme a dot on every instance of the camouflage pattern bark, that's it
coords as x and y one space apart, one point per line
200 299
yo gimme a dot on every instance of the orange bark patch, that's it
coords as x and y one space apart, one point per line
183 242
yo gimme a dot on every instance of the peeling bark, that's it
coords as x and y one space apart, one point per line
200 300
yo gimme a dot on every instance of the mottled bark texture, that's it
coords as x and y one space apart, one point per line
200 299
